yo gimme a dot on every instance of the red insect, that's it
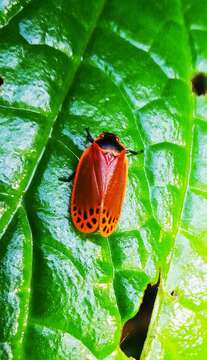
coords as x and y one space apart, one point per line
99 185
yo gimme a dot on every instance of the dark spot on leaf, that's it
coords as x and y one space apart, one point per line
110 220
89 225
75 213
91 211
79 211
74 208
104 229
103 220
82 225
135 330
85 216
78 220
94 221
107 231
107 214
104 210
111 227
97 211
1 81
199 84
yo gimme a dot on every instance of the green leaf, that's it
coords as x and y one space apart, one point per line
135 65
36 68
10 8
178 329
15 279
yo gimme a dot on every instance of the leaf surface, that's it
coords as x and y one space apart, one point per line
178 329
134 80
10 8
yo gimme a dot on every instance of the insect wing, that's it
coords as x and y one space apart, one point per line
86 194
114 196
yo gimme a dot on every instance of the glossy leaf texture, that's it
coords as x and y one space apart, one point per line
178 329
37 65
10 8
124 67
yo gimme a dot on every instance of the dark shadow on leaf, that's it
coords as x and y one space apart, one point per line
135 330
199 84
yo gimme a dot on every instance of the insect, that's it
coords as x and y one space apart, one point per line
99 184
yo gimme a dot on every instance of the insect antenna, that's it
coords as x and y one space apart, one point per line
133 152
89 137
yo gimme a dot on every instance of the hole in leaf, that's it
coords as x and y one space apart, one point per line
199 84
135 330
173 293
1 81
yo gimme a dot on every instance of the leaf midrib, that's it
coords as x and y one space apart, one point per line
51 135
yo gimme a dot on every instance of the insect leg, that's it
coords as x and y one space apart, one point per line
133 152
89 137
69 179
